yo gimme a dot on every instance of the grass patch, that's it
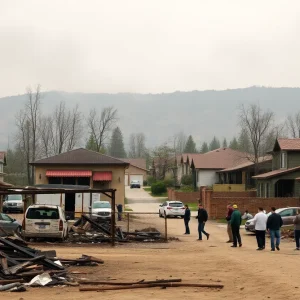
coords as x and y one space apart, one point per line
192 206
126 201
224 221
128 209
148 190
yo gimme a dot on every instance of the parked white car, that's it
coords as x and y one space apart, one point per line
45 221
13 203
101 210
171 208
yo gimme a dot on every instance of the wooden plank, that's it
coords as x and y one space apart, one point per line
46 262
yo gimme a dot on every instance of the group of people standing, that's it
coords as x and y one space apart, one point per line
262 222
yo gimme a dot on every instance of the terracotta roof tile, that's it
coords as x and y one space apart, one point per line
276 173
80 157
136 162
221 158
289 144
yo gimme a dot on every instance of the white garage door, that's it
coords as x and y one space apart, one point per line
137 177
126 180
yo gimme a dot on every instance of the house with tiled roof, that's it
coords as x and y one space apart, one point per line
82 167
137 170
283 179
205 167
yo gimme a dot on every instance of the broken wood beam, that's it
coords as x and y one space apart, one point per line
127 283
149 285
46 262
6 281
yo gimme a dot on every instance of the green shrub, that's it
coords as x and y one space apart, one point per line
187 180
169 182
187 188
158 188
150 180
145 183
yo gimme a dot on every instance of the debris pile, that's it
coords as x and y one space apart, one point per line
87 230
22 266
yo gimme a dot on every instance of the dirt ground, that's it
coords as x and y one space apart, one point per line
245 272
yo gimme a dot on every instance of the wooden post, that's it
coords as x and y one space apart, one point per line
60 199
82 202
113 218
127 222
91 202
166 229
1 203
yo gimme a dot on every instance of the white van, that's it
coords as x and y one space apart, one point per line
45 221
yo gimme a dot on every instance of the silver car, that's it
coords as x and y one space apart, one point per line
171 208
13 203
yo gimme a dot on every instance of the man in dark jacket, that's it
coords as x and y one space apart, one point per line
202 218
235 222
274 223
228 217
187 217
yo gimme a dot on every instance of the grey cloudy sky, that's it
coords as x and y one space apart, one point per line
148 46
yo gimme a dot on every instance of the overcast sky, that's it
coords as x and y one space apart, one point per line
148 46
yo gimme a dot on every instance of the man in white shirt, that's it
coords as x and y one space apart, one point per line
260 222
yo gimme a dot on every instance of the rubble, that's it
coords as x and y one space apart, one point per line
22 266
86 230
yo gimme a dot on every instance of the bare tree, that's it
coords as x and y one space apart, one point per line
180 140
46 133
27 122
163 158
259 126
100 126
132 146
293 125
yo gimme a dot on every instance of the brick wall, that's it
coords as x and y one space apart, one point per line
218 205
244 194
188 197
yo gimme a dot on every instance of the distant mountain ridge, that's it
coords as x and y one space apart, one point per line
202 114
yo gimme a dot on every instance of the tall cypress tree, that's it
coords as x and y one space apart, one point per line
190 146
234 144
116 148
204 148
224 143
214 144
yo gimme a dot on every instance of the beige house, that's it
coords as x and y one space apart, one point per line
2 163
137 170
83 167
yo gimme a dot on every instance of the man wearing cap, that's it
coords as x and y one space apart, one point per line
235 222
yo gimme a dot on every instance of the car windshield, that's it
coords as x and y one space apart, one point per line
101 205
14 197
5 217
42 213
176 204
135 181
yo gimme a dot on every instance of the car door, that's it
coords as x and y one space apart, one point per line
287 216
162 208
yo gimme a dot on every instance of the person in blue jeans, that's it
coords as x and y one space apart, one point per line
202 219
187 217
274 223
297 230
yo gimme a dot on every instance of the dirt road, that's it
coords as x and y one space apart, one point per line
245 272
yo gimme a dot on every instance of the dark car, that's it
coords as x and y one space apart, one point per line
135 184
287 214
9 225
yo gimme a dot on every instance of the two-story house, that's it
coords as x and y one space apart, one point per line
283 180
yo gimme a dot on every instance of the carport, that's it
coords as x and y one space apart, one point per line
33 191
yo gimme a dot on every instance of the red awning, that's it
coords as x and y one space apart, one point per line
102 176
69 173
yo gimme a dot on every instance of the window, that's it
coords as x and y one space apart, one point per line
267 191
42 213
261 190
287 213
176 204
101 205
283 162
6 218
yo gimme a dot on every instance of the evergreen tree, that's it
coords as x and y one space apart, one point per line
214 144
91 144
225 143
204 148
234 144
116 148
190 146
244 141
